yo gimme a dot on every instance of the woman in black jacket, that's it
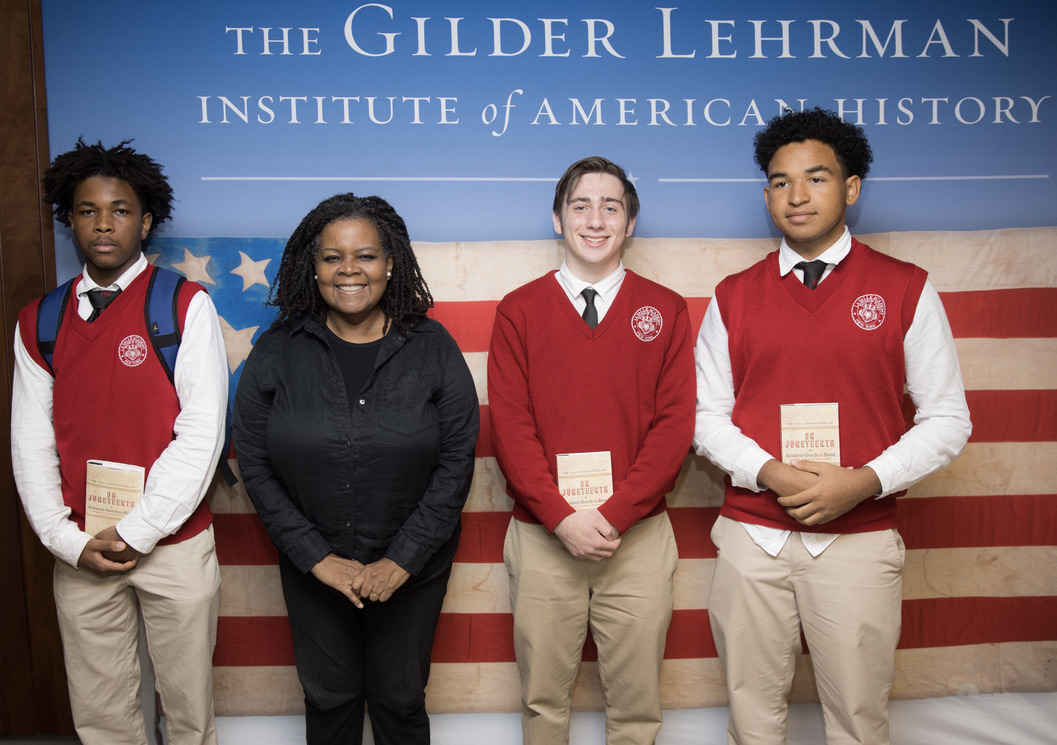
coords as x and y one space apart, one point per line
355 422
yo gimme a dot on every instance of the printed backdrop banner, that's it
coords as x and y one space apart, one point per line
464 114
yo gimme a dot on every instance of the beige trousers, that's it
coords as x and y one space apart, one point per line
847 601
176 589
627 602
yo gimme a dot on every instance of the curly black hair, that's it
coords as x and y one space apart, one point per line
140 171
406 299
849 142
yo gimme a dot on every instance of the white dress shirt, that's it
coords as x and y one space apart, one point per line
607 289
178 479
941 422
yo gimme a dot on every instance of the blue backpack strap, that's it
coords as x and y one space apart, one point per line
163 324
50 312
161 310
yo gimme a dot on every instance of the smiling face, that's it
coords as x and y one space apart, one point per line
351 268
594 224
807 196
110 225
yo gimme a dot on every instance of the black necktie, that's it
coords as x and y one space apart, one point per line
813 271
590 312
100 299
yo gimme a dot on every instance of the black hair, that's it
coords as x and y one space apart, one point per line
406 299
594 164
140 171
848 142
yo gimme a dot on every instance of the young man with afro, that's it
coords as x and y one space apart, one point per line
806 545
105 395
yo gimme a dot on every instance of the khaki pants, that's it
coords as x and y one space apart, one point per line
848 602
627 601
176 589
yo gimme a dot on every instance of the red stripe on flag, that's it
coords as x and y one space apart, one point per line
242 540
474 637
692 527
1006 416
482 537
468 321
253 641
488 637
697 307
689 635
952 622
1013 416
965 522
933 522
1002 314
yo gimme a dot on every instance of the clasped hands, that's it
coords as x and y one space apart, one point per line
375 582
588 535
813 492
107 553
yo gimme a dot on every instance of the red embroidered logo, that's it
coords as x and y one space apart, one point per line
647 323
868 311
132 351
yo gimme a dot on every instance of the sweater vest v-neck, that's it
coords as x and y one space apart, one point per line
841 342
111 399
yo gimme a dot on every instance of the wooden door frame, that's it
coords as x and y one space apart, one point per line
33 695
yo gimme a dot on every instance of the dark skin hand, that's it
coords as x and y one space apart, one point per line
379 580
341 574
107 554
814 493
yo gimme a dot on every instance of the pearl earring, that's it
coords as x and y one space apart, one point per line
388 275
315 277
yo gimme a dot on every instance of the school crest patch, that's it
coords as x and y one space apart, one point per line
132 350
647 323
868 311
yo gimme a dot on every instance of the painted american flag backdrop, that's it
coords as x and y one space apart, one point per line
980 585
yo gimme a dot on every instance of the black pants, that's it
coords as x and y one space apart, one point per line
347 657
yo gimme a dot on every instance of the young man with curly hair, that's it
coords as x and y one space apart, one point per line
104 395
806 545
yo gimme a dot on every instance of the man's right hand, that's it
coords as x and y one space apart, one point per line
588 535
783 479
93 560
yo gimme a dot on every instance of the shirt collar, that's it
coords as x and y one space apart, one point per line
605 287
122 282
788 258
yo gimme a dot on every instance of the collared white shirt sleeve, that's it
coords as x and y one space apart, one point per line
178 479
715 435
181 475
934 381
35 459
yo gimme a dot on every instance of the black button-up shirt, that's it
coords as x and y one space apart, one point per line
386 476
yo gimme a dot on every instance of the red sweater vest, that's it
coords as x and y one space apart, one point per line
841 342
111 399
626 386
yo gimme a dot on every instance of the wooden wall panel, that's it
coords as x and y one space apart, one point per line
33 698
